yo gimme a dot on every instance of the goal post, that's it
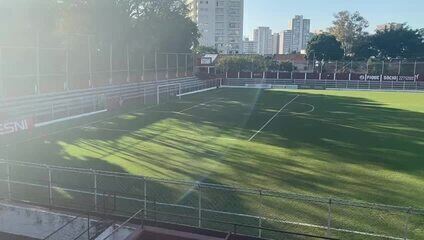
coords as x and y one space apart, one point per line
172 87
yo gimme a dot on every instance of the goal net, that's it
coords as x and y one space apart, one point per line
168 92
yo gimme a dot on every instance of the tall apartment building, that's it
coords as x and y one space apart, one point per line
389 26
220 23
296 38
250 47
275 43
286 39
263 36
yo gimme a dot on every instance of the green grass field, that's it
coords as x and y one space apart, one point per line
365 146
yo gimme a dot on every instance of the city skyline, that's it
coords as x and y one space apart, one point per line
277 13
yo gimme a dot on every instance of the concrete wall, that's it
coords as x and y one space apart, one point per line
37 223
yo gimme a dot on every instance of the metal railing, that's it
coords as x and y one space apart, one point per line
204 203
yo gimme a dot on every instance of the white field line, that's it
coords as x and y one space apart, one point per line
197 91
198 105
69 118
272 118
108 129
77 126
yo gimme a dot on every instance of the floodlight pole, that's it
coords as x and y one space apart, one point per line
9 185
382 68
66 88
400 66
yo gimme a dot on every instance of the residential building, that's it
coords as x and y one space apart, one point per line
220 23
389 26
275 43
297 37
286 42
250 47
263 36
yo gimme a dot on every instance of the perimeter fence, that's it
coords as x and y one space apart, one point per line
256 212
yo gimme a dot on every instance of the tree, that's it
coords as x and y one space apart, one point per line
205 50
362 49
324 47
348 28
398 43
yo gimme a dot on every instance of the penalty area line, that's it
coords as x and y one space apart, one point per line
272 118
200 104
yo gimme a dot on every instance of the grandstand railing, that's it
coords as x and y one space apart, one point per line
329 84
205 205
49 107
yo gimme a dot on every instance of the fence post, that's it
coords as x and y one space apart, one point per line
200 205
90 67
9 185
330 201
406 228
96 208
128 64
186 64
167 66
50 186
143 67
156 65
261 210
415 68
145 197
2 91
66 87
178 63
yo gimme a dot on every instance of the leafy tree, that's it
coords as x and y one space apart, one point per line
398 43
348 28
362 49
205 50
324 47
251 63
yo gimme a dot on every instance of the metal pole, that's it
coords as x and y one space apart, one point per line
143 67
50 186
178 63
329 218
111 64
38 63
9 186
351 67
90 67
156 65
261 210
400 66
406 228
2 91
167 66
66 87
415 68
128 64
95 190
382 68
186 65
145 197
200 205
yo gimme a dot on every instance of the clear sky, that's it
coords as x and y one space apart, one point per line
277 13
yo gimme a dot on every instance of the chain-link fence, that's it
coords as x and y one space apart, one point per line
54 62
248 211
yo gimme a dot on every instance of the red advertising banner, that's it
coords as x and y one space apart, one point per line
14 126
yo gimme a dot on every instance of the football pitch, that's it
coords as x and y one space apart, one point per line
355 145
366 146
